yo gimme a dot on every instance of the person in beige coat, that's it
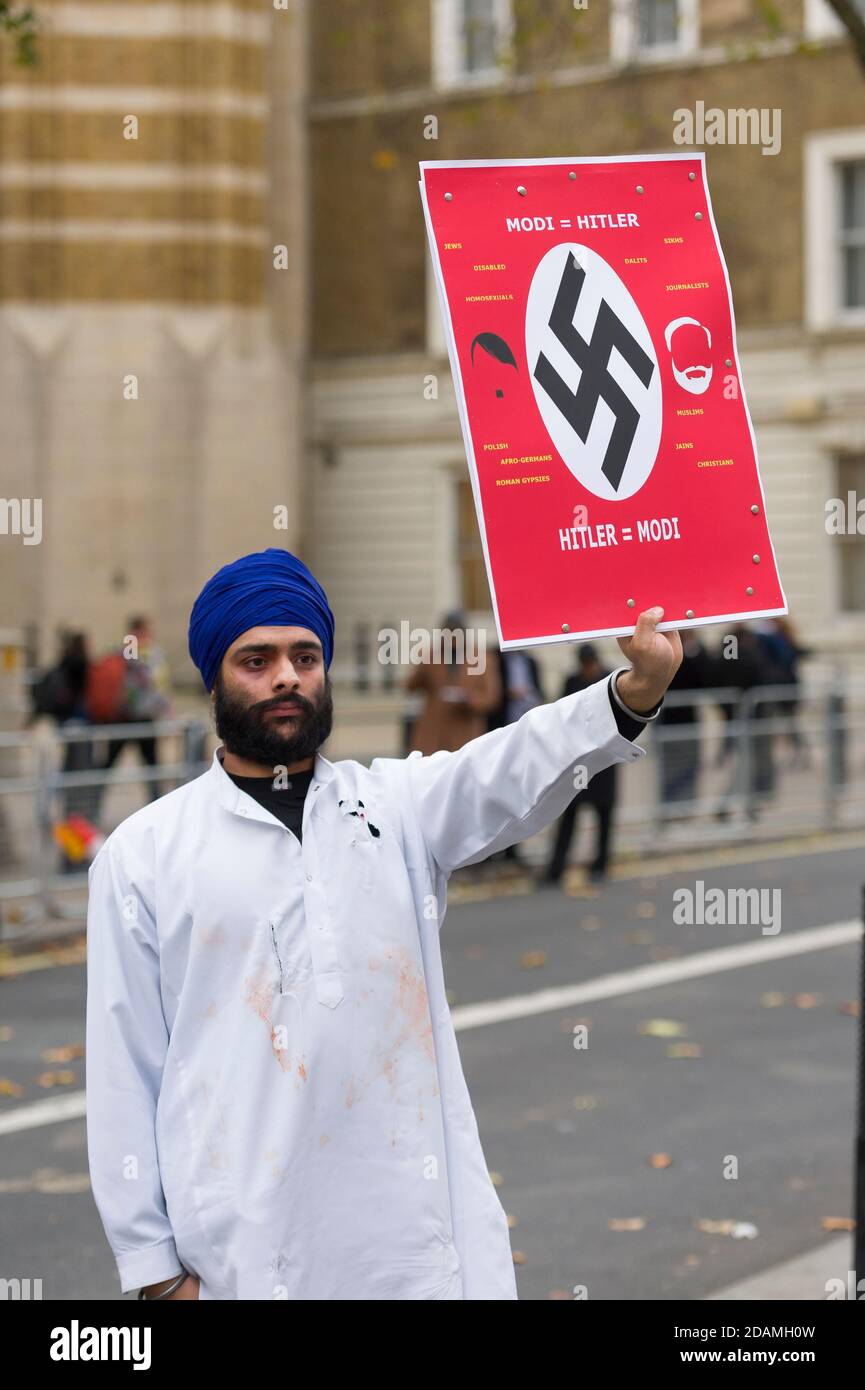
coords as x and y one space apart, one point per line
459 698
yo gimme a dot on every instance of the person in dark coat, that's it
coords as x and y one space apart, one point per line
521 690
599 794
680 754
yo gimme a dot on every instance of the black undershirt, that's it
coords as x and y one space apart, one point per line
286 802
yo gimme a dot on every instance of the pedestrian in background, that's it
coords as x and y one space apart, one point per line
131 689
600 794
520 681
458 698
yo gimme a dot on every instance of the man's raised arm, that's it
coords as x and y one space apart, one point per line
512 782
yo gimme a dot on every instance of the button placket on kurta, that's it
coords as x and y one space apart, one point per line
322 940
320 937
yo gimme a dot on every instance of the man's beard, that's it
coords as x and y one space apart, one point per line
248 732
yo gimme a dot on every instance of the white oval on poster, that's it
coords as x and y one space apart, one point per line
594 371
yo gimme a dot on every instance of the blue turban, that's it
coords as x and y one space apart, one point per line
270 588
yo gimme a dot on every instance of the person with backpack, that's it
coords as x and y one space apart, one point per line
61 694
131 689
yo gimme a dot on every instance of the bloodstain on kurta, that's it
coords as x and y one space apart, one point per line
259 997
407 1023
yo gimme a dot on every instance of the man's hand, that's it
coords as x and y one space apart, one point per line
188 1289
655 657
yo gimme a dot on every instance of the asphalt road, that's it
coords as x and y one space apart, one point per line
769 1081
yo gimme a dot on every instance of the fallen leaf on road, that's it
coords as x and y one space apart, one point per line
772 1000
519 1257
662 1028
512 1221
6 1033
63 1054
660 1160
590 923
850 1006
684 1050
585 1102
807 1001
496 1179
10 1088
714 1228
739 1230
639 938
646 909
838 1223
532 959
626 1223
55 1078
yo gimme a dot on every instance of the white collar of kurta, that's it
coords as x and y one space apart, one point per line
241 804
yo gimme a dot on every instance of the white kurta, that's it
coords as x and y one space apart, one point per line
275 1099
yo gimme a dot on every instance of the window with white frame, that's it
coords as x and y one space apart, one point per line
643 30
852 234
471 40
834 203
851 547
821 21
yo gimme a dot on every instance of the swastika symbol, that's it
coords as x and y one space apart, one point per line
596 383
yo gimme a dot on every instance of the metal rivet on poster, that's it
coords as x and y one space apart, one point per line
728 361
755 509
572 175
756 559
521 191
749 590
630 603
640 188
692 176
699 216
449 197
566 627
690 613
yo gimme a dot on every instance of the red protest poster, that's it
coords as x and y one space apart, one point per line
592 342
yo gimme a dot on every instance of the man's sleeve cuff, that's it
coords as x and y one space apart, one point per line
619 702
138 1268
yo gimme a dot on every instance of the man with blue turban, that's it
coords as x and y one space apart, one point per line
275 1103
247 618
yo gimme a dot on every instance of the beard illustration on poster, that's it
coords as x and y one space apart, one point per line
689 345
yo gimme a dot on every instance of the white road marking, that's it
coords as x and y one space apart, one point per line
43 1112
47 1112
666 972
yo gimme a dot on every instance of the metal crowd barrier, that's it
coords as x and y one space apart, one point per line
760 763
48 777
